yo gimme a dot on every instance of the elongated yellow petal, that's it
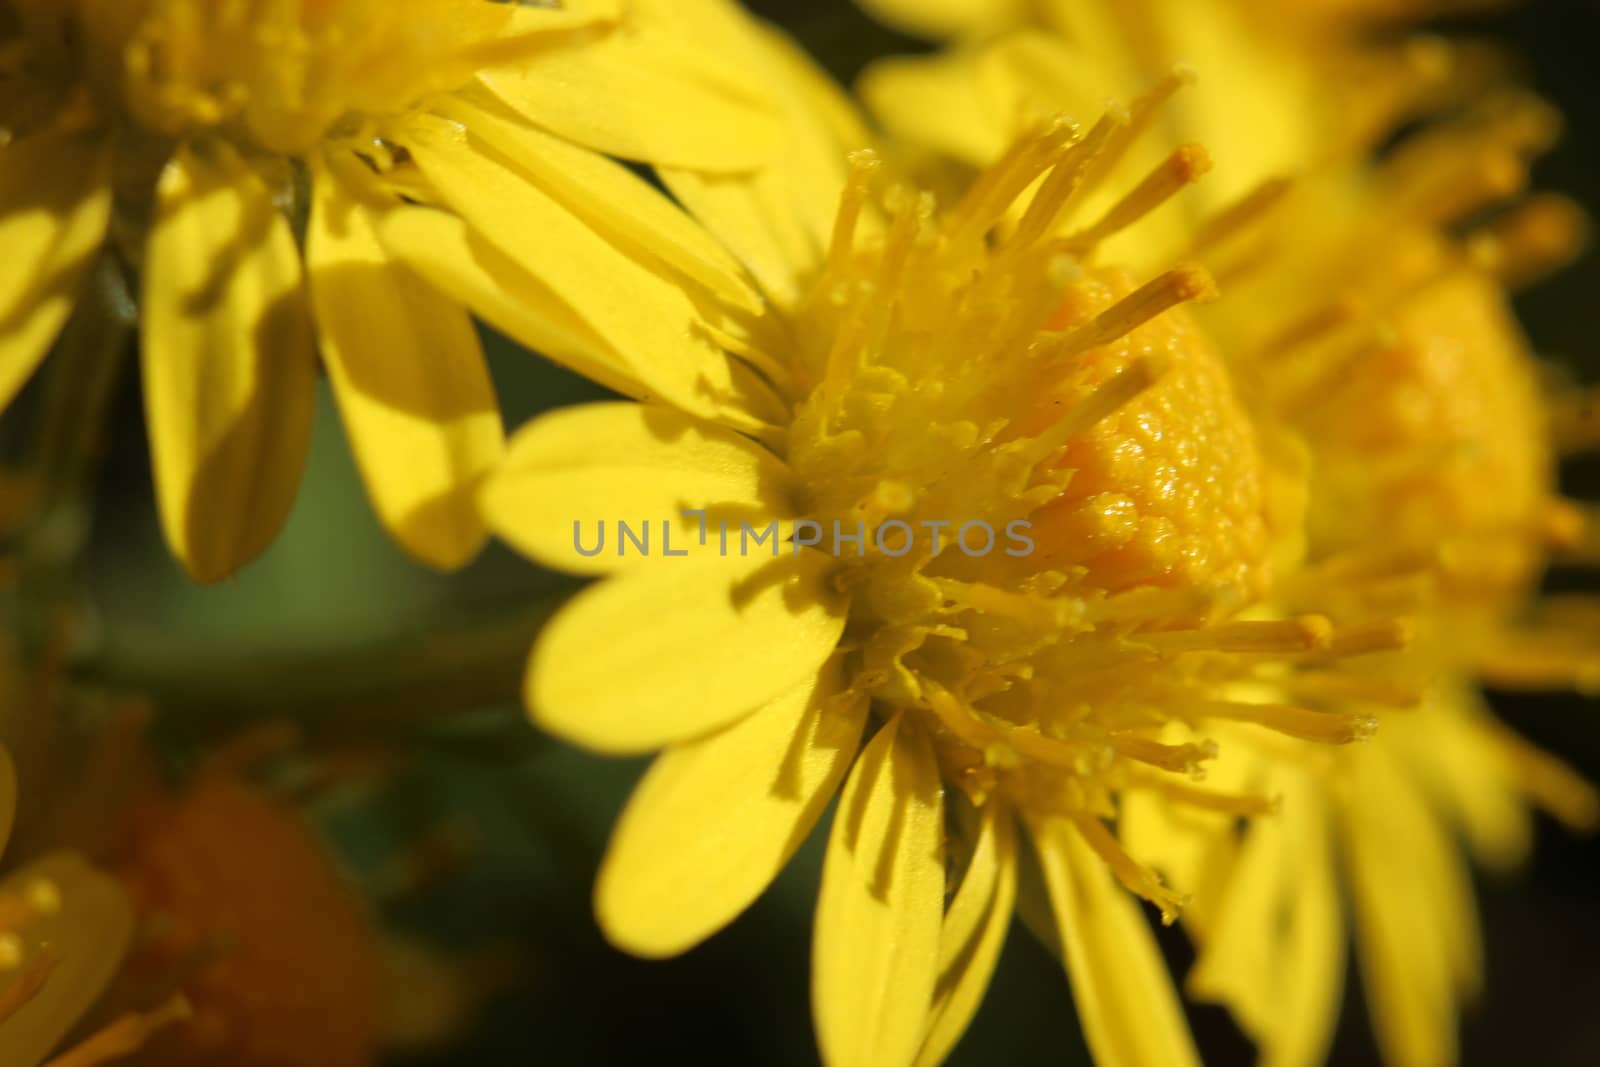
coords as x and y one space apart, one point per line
947 18
875 953
680 648
613 199
714 820
1282 979
461 264
575 476
55 204
644 95
933 103
409 376
1126 1002
650 322
974 932
1465 772
1415 923
1314 965
779 219
229 365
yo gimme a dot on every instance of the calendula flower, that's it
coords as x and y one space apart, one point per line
985 520
1388 350
239 157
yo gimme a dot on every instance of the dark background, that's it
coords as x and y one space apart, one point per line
313 629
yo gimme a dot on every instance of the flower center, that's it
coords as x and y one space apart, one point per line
1077 497
281 71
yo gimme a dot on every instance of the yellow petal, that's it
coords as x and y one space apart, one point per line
1314 961
1466 774
947 18
1126 1002
409 376
779 219
88 935
714 820
613 199
973 934
572 476
463 265
8 798
875 952
933 103
1414 918
651 323
55 204
656 97
682 647
229 365
1275 952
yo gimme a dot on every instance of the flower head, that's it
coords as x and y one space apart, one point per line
1360 329
935 377
239 158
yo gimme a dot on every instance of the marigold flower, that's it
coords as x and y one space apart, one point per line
241 159
964 363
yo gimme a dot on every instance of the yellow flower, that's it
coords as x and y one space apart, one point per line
1389 352
241 158
1432 494
970 370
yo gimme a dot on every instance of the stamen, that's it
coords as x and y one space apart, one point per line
1243 215
1538 661
1180 759
1107 399
1531 242
1177 286
1440 180
1304 633
1339 686
1317 325
1383 635
864 166
124 1036
1066 177
1153 602
1000 184
1187 165
1058 613
1325 727
1244 805
1140 116
1134 876
958 718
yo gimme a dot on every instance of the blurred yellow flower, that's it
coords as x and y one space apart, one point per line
819 589
240 158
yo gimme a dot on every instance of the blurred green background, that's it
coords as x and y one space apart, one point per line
317 626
